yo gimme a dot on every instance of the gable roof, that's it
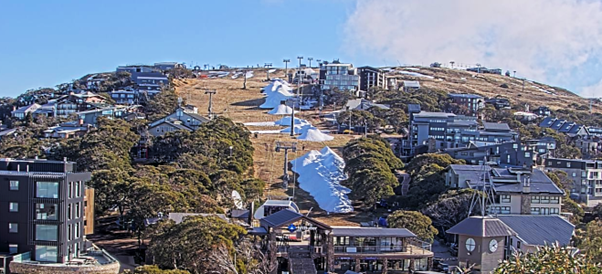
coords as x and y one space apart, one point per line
171 123
547 122
540 229
287 216
465 95
566 127
478 226
557 124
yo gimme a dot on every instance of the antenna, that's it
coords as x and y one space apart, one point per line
483 198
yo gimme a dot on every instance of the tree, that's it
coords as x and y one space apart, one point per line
549 259
449 209
415 222
568 205
198 244
153 269
590 240
162 104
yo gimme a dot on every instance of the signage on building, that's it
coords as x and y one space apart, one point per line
304 228
292 228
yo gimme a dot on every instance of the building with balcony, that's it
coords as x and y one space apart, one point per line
517 190
335 75
513 153
472 102
43 216
586 176
300 244
371 77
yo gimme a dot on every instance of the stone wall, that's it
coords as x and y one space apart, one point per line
26 268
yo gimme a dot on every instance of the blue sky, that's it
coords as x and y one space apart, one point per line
45 43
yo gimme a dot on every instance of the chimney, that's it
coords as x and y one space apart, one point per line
251 213
526 184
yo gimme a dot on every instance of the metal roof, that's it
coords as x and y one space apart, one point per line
371 232
478 226
547 122
540 229
465 95
496 126
540 183
287 216
427 114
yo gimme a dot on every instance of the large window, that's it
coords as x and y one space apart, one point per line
505 198
46 211
13 248
46 253
535 199
47 189
46 232
77 210
14 185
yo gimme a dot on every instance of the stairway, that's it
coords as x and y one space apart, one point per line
300 261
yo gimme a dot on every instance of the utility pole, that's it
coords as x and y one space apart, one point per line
514 74
268 66
210 108
286 61
286 146
244 84
310 59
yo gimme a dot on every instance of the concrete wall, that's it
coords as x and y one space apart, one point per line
25 268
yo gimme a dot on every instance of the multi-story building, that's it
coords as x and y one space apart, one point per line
371 77
517 190
150 81
72 103
43 214
441 130
182 119
586 176
471 101
125 97
339 76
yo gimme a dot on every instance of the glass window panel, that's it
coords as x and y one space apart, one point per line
47 189
14 185
46 253
13 207
46 232
46 211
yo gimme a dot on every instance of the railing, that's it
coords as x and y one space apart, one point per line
421 244
368 249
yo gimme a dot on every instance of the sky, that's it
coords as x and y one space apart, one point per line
45 43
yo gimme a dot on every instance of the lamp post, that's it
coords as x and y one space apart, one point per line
298 81
310 59
268 66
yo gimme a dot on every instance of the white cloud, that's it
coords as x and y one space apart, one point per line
593 91
540 39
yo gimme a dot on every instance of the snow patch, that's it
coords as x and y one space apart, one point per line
415 74
314 135
320 174
281 110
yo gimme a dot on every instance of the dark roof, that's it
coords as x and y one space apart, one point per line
496 126
540 183
575 129
481 227
557 124
540 229
566 127
371 232
287 216
547 122
413 108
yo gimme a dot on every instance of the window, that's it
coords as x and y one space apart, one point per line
554 200
14 185
545 199
78 189
70 234
47 189
505 198
568 164
46 233
535 211
527 154
13 207
13 248
77 210
535 199
69 212
76 230
518 244
46 253
46 211
13 228
70 193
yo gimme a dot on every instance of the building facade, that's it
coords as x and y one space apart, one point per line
43 209
472 102
371 77
339 76
586 176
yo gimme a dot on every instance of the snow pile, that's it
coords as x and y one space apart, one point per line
276 92
281 110
314 135
320 174
249 74
299 129
286 121
415 74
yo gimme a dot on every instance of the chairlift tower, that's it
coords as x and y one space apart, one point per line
286 61
268 66
210 108
286 146
310 59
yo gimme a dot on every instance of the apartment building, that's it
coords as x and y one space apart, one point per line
586 176
42 205
472 102
371 77
517 190
339 76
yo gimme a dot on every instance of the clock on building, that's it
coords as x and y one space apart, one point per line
470 244
493 245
